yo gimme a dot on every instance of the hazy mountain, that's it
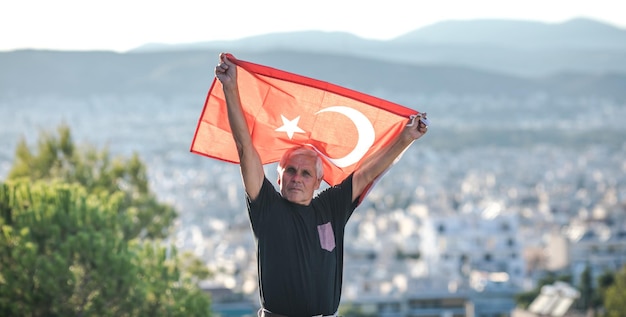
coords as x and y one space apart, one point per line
573 34
180 72
316 41
516 47
578 57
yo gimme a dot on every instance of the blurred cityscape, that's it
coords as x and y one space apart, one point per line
498 193
521 175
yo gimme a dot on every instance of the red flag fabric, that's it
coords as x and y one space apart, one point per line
283 109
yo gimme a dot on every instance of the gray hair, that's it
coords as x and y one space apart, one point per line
305 150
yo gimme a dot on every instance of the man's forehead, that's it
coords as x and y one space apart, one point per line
300 161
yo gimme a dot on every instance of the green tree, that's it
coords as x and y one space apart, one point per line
58 158
525 298
615 295
350 310
63 253
587 291
605 280
80 236
169 288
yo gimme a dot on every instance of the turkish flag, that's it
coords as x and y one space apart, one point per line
284 109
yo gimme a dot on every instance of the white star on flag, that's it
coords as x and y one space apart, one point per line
290 126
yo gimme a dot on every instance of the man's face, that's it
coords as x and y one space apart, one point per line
299 180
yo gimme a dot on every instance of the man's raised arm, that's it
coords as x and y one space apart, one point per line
381 160
250 162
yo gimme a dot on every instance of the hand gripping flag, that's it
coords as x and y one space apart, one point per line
283 110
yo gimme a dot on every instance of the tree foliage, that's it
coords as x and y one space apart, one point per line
605 281
80 236
58 158
349 310
615 295
588 293
524 299
63 253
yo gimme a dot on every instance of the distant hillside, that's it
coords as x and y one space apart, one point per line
521 48
173 72
573 34
38 72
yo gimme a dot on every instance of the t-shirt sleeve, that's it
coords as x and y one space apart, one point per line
338 199
258 207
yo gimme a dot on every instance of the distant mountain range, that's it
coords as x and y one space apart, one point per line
579 57
515 47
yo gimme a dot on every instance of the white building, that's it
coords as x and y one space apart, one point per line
456 245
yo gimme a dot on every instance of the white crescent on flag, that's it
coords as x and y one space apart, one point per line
365 132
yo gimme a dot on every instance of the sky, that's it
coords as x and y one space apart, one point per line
121 25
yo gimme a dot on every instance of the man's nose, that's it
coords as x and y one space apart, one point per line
296 177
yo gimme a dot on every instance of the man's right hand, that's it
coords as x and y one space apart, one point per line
226 71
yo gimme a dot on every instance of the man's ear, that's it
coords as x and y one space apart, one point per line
319 182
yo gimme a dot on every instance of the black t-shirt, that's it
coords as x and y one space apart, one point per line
300 249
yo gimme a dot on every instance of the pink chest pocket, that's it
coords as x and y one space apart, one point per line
327 236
